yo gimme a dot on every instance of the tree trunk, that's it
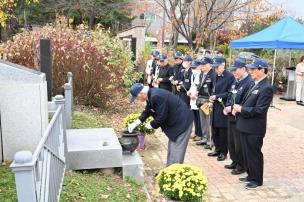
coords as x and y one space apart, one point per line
175 39
25 19
91 21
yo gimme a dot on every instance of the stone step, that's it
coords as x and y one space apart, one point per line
93 149
133 166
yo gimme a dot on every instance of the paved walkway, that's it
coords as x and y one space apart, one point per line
283 154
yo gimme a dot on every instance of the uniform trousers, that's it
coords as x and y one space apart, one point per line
205 125
253 156
219 136
197 123
177 149
234 144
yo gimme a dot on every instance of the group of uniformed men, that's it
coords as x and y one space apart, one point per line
228 108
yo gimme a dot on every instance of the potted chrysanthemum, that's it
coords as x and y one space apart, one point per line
141 128
182 182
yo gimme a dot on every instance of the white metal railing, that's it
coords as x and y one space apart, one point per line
68 94
39 176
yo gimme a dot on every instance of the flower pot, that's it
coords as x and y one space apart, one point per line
129 141
141 138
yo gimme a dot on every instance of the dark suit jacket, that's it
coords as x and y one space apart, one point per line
165 73
169 112
222 86
209 81
255 105
185 78
242 88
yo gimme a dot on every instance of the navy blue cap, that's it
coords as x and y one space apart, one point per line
238 63
196 63
163 57
178 55
218 60
206 60
155 53
188 58
135 90
258 63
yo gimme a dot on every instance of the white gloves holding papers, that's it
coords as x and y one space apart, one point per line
133 125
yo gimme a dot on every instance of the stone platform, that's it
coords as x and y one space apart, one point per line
99 148
93 148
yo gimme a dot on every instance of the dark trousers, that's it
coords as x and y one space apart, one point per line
197 123
219 136
234 144
253 156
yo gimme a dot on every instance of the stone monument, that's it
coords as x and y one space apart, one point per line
23 108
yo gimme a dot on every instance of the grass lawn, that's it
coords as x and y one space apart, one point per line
7 184
94 186
85 186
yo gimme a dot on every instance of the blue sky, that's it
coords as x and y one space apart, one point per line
294 7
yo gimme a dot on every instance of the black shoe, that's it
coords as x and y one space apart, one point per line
207 146
237 172
213 154
201 142
244 180
221 157
230 166
298 102
252 185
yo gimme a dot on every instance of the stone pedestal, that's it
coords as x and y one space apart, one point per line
23 106
133 166
100 148
93 148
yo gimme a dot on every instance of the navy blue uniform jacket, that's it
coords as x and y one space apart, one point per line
242 88
222 86
209 80
165 73
253 117
169 112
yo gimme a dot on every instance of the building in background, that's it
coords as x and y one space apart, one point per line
149 14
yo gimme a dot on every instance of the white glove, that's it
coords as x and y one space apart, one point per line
148 126
133 125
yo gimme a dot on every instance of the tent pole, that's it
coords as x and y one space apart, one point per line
274 66
230 56
289 57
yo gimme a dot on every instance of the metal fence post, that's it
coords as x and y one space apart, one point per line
24 176
70 81
68 104
60 101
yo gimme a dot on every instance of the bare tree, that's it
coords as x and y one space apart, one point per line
197 19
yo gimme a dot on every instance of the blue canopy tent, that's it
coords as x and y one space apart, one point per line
287 33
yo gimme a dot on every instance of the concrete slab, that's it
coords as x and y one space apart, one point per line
93 148
133 166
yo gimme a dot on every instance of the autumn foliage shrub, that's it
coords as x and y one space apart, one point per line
101 64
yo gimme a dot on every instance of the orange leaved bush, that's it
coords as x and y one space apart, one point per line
101 64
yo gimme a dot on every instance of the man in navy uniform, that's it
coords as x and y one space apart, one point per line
185 80
177 69
252 121
205 89
151 67
164 74
223 82
170 113
235 96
